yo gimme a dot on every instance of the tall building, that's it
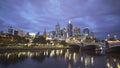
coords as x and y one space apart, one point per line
10 30
64 33
86 32
44 33
52 34
1 32
69 29
19 33
91 35
61 32
58 32
76 32
16 32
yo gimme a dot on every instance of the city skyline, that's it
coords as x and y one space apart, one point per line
33 16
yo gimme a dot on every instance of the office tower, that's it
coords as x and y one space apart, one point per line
69 29
52 34
58 32
86 32
61 32
44 33
64 33
19 33
10 30
76 32
91 35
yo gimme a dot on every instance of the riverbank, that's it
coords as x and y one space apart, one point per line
33 48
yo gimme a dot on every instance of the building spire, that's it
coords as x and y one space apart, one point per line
44 29
57 22
69 22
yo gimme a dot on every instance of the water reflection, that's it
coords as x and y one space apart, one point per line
61 58
11 58
113 61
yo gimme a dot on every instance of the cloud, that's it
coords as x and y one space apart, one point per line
35 15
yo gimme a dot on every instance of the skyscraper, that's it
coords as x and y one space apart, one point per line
44 33
10 30
86 32
91 35
61 32
19 33
58 32
76 32
52 34
64 33
69 29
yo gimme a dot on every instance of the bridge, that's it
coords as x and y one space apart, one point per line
87 46
114 44
77 43
111 48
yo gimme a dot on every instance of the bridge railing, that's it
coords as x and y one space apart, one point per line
97 44
114 44
87 44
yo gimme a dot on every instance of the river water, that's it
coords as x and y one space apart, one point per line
61 58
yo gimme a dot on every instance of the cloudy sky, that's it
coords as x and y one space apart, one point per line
100 16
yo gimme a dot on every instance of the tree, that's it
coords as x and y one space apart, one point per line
19 39
56 41
88 39
96 40
40 39
0 38
48 41
63 42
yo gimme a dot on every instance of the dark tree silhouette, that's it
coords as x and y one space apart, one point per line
40 39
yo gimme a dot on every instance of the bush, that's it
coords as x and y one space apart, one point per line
63 43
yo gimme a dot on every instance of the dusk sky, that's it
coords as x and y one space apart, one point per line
100 16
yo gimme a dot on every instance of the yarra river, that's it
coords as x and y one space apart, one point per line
58 58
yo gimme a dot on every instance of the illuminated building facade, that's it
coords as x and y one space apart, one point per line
10 30
69 29
58 31
64 33
44 33
86 32
76 32
19 33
